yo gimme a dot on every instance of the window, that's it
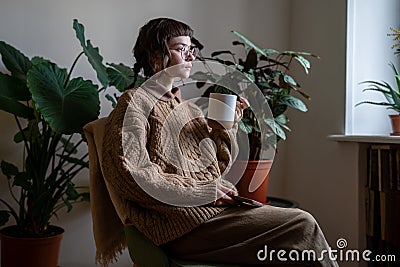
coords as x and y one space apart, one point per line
368 56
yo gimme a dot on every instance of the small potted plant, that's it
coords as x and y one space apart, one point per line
269 70
391 93
50 108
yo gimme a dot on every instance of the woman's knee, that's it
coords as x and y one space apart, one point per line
306 220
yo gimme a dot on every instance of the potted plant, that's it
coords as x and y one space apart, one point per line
391 93
50 108
269 70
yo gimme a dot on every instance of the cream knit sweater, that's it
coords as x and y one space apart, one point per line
161 165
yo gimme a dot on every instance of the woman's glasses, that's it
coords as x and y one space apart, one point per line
186 50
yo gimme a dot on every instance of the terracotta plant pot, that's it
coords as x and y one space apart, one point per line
251 178
395 119
32 252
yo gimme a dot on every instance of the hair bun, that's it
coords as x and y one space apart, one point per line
136 67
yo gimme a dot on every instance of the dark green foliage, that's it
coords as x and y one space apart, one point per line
50 110
269 70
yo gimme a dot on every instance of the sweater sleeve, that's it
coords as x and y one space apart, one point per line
131 174
227 146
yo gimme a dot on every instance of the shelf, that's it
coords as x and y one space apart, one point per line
382 139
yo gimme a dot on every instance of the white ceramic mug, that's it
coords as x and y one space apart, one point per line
221 110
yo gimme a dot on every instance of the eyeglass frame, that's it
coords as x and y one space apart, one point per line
193 50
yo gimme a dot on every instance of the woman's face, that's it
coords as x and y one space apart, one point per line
181 57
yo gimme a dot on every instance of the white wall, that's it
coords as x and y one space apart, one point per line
321 174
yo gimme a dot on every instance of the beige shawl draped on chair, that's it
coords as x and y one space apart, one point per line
108 229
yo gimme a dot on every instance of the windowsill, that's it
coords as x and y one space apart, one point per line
385 139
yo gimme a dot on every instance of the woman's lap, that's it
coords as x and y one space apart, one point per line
242 235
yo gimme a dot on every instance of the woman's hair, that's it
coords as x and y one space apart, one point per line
151 47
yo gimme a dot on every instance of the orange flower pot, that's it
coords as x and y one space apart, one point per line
32 251
395 119
251 178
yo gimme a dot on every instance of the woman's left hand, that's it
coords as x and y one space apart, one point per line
224 196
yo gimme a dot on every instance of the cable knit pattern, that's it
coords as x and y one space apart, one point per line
158 152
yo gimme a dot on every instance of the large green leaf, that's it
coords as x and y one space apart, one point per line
13 88
249 44
293 102
14 107
92 53
16 62
120 76
67 109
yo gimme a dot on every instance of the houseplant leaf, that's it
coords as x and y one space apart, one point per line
396 75
14 107
13 88
289 79
111 99
22 180
92 53
276 128
250 44
245 125
293 102
282 120
217 53
8 169
66 109
16 62
251 60
304 62
120 76
4 216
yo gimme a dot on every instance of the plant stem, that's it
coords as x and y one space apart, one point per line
62 161
76 164
23 134
288 64
11 192
72 68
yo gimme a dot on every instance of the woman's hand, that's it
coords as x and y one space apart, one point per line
241 105
224 196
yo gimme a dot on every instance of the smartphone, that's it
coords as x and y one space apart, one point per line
247 201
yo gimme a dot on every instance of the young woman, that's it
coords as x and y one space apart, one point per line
163 164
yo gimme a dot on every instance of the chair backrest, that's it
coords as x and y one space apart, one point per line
141 249
108 228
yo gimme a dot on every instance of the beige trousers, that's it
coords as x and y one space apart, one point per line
254 236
